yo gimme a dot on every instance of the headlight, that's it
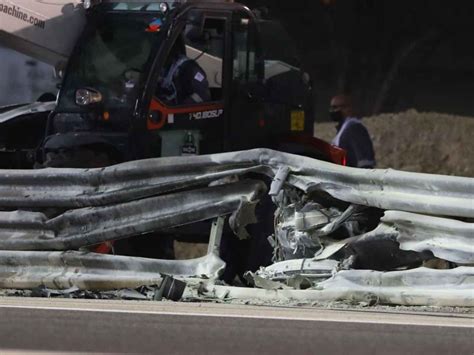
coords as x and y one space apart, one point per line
164 7
89 3
87 96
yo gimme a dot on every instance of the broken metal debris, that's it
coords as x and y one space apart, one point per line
414 287
279 180
310 269
169 289
340 233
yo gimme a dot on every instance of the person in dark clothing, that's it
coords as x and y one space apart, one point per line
351 134
184 81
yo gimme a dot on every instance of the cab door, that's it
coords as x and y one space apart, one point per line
245 103
176 127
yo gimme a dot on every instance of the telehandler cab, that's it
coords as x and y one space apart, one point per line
111 108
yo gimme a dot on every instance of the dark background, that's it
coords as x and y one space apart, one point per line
390 55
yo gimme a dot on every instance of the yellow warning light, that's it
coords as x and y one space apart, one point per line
297 120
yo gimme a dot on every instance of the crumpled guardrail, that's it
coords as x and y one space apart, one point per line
21 230
447 239
143 196
75 188
91 271
385 189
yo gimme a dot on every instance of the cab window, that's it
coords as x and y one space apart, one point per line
279 52
244 52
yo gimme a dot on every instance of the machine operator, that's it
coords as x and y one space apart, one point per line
351 133
184 82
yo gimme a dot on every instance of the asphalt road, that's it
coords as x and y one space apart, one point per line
28 324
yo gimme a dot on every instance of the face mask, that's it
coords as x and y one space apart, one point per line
336 116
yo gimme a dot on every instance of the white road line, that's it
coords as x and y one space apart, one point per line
435 322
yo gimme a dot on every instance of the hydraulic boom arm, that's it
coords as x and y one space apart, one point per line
45 30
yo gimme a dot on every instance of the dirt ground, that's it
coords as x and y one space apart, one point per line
426 142
185 251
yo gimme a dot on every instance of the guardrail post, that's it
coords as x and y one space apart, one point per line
216 235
